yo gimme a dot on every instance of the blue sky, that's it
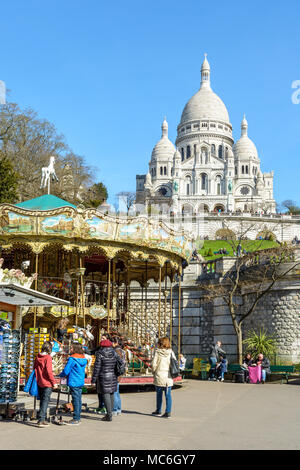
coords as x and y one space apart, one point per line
106 73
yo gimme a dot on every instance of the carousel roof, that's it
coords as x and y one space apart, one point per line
45 203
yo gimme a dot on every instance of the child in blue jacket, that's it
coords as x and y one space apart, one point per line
221 368
75 372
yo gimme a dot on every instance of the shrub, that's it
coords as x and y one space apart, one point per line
260 342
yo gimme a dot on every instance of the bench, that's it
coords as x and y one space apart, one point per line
232 369
284 371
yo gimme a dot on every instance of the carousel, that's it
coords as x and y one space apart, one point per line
90 259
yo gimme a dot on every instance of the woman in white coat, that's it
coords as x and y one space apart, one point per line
162 378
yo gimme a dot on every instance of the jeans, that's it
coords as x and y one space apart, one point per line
263 375
45 393
76 393
117 401
212 370
159 398
108 402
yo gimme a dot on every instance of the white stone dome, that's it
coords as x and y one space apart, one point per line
205 104
164 149
244 147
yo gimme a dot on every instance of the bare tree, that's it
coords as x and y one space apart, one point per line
128 198
28 142
254 272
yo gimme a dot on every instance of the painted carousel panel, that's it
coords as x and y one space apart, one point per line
60 224
12 222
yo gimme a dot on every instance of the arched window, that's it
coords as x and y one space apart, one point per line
188 151
220 151
161 170
165 170
235 170
218 185
188 185
182 154
246 169
213 149
243 169
204 181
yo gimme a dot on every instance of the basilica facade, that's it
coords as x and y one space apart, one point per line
206 171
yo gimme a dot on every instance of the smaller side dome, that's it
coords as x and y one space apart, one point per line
244 147
164 149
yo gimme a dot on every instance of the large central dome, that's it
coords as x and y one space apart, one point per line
205 104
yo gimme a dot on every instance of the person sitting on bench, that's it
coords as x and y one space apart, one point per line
265 366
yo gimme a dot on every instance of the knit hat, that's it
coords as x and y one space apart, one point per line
105 344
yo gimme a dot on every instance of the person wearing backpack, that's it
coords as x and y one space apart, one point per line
117 409
45 381
75 372
163 380
106 375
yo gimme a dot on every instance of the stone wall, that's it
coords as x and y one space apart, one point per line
202 323
278 314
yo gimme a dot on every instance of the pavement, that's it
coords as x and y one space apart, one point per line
205 415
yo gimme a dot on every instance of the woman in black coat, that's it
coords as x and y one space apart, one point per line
104 374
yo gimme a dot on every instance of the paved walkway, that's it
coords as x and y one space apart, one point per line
206 415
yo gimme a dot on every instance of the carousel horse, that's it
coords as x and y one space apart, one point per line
48 171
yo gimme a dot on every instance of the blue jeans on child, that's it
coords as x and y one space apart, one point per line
76 393
45 393
159 398
117 401
263 375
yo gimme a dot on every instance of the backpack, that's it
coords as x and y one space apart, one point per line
120 366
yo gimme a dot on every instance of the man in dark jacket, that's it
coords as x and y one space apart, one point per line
215 353
104 373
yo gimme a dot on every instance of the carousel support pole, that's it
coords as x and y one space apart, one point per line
142 315
171 307
159 301
77 301
165 306
108 295
82 291
179 312
114 291
146 310
35 286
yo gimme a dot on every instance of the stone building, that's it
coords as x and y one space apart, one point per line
206 170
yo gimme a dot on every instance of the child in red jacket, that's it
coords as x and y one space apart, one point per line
45 380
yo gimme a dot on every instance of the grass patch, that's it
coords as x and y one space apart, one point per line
211 246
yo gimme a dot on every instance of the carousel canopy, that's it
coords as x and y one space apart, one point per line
45 203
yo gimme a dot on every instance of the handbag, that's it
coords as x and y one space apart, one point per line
174 367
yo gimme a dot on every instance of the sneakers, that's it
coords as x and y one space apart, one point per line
116 413
156 413
72 423
166 415
101 411
43 424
